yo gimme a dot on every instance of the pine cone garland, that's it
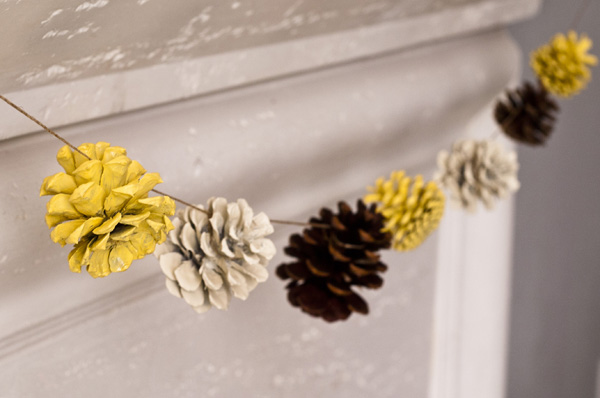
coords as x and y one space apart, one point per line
101 206
478 170
331 261
528 115
210 257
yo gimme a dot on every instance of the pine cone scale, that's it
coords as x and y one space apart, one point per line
336 311
372 281
337 224
337 254
296 271
319 269
311 298
357 304
309 238
361 271
339 288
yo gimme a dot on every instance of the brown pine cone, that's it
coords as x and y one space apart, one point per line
528 115
330 261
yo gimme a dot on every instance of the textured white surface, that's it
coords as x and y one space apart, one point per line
159 347
299 144
59 40
118 63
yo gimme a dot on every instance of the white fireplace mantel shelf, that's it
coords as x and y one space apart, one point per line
292 120
70 62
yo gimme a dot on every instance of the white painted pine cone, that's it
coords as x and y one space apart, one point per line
208 258
477 170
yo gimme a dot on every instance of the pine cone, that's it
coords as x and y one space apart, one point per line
101 206
210 257
331 261
528 115
562 65
477 170
411 208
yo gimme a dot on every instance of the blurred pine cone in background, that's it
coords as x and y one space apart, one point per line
476 171
528 114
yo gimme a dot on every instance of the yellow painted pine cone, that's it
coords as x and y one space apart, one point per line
563 64
101 206
411 208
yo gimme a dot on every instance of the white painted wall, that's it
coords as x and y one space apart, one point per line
555 335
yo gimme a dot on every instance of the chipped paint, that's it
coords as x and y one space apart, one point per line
52 15
87 6
192 29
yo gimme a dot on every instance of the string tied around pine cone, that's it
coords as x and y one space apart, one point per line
331 263
528 114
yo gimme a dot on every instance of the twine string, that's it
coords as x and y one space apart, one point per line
42 125
183 202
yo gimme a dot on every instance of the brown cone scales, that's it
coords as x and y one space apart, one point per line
330 261
529 114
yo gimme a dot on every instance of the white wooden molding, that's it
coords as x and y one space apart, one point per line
472 299
68 63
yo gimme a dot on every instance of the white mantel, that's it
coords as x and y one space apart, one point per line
292 122
72 61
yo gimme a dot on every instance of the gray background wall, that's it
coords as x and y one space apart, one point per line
555 331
